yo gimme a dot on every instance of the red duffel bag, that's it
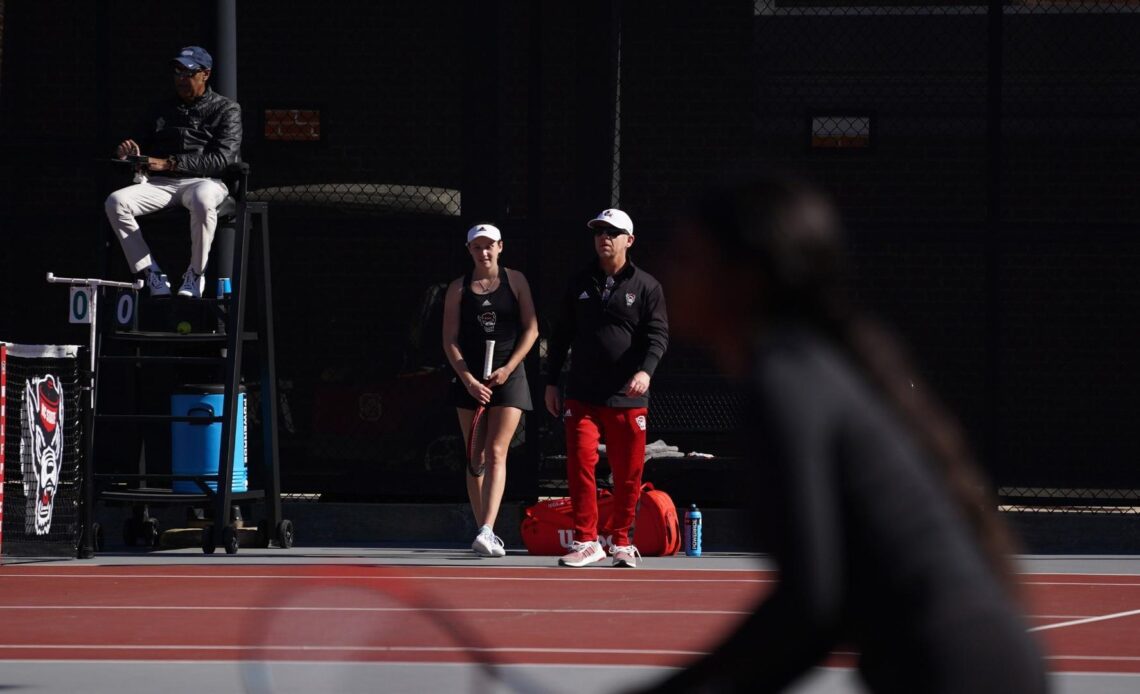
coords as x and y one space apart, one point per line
548 526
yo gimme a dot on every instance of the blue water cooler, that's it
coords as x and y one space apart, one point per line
196 447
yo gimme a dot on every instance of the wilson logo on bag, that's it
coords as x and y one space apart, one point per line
548 526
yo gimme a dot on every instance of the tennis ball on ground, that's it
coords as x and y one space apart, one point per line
183 328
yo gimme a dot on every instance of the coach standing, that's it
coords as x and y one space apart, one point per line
613 319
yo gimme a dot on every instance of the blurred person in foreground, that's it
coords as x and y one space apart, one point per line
866 494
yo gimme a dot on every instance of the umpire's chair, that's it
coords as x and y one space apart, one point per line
240 252
236 178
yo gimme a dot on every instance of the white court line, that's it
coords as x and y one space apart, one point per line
428 649
420 649
363 562
1079 583
1109 658
1019 573
584 576
277 577
117 662
318 608
1086 620
346 649
241 608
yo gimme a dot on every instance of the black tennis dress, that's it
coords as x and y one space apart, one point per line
493 316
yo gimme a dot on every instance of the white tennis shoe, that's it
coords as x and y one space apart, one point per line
193 284
625 556
583 554
488 544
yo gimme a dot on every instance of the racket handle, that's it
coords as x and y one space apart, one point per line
488 356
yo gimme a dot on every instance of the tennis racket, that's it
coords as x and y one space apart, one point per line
347 629
476 442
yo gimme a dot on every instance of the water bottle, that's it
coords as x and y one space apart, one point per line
693 531
223 304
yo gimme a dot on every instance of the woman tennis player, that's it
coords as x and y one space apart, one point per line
865 491
489 303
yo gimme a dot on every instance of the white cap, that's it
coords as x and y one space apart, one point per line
612 218
484 230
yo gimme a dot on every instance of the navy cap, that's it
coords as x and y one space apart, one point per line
194 58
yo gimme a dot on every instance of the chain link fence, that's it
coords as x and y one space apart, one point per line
985 146
981 154
302 127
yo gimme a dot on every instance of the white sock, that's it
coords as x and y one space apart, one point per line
486 529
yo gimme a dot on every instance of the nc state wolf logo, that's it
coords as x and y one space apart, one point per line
41 450
487 319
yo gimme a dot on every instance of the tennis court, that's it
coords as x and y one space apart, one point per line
302 376
401 619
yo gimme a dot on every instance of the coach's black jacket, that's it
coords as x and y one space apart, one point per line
610 342
204 137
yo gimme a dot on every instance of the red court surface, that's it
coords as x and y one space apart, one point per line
507 615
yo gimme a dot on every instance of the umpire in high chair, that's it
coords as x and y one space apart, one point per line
187 141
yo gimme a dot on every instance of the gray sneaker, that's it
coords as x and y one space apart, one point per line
157 283
193 285
583 553
625 556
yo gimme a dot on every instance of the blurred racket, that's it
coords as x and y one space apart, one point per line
476 442
349 634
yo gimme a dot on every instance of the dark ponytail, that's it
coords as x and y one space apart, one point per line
787 233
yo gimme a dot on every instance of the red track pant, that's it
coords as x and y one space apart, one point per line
624 432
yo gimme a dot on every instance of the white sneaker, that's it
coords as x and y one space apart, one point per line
625 556
193 284
157 283
583 553
488 544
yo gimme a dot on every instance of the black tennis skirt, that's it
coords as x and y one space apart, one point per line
514 393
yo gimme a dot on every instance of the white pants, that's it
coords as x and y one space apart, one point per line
199 195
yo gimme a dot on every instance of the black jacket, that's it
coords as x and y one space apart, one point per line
611 341
204 137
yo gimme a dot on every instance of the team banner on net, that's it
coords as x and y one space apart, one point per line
40 430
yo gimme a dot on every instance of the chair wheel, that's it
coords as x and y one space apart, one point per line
285 534
230 539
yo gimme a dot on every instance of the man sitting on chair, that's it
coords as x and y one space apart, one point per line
189 142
